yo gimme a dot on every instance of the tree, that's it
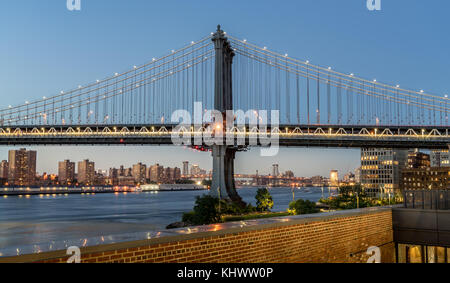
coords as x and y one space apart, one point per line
206 211
264 201
303 207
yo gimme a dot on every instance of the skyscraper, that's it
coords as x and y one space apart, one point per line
86 172
66 172
185 168
22 167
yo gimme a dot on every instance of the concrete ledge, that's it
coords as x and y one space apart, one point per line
203 232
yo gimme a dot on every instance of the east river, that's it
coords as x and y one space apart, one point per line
44 219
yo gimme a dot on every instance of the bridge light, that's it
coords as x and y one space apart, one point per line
286 55
79 86
397 86
153 59
446 95
192 42
135 67
329 68
116 74
307 62
44 97
265 48
26 102
98 81
62 92
10 106
421 91
374 80
351 75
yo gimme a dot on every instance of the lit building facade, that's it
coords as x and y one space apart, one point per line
431 178
440 158
139 173
334 178
4 167
66 172
86 172
417 159
22 167
381 169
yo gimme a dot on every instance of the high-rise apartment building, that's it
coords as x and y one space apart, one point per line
22 167
185 168
156 173
4 167
86 172
139 173
66 172
381 169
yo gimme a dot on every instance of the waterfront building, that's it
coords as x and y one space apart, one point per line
22 167
185 168
113 176
4 167
334 178
381 169
139 173
156 173
86 172
66 172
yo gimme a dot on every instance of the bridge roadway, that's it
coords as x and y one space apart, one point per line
289 135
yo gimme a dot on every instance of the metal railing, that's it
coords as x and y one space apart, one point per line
427 199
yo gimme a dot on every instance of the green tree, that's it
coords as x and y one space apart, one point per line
206 211
264 201
301 206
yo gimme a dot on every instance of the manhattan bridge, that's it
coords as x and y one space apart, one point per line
317 106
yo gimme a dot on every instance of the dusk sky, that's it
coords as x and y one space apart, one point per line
44 48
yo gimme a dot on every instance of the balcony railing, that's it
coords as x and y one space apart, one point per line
427 199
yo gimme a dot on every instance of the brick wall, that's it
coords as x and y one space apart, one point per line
326 238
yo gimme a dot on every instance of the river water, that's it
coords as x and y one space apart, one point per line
42 219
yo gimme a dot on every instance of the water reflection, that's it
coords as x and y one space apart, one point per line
56 221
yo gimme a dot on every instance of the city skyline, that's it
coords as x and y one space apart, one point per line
106 158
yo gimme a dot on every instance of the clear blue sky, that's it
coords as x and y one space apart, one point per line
44 48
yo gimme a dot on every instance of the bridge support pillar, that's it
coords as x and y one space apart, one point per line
223 174
223 155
